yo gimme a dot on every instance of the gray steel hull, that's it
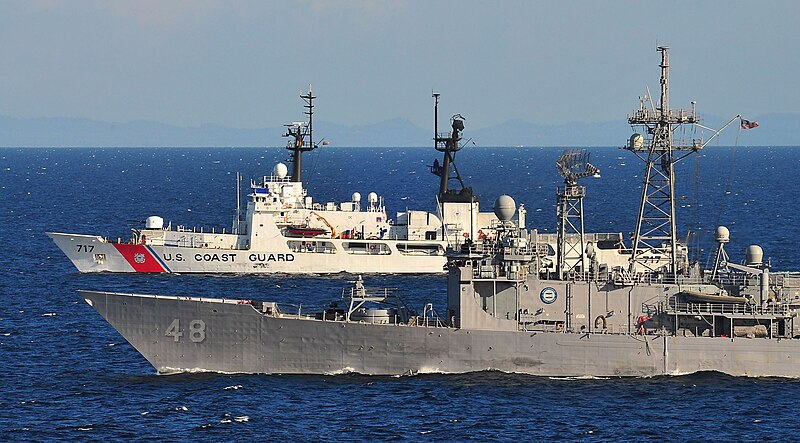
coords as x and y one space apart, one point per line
238 338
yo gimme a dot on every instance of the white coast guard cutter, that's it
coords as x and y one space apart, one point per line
283 230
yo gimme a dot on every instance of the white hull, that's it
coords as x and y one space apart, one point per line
91 253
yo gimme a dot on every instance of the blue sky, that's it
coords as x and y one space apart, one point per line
243 63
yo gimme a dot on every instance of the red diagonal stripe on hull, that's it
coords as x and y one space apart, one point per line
145 263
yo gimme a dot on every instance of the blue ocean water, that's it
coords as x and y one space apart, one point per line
67 375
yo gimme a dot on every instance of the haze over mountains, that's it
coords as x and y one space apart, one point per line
774 130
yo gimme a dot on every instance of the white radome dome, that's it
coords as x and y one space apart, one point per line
154 222
722 234
356 197
505 207
280 170
754 255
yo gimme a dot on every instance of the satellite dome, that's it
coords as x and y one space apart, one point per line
754 256
280 170
372 197
722 234
504 207
356 197
637 141
154 222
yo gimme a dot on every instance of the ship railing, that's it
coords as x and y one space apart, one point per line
267 179
740 279
621 277
683 280
485 248
288 310
370 294
571 191
430 317
483 272
227 301
645 115
419 321
444 134
726 308
627 278
778 279
547 237
598 276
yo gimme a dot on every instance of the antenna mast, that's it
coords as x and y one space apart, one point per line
655 226
298 131
448 144
572 165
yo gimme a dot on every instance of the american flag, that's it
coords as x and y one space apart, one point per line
747 124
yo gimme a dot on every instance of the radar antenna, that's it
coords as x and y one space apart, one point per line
448 145
572 165
298 132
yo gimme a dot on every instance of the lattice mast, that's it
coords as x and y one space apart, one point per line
572 165
298 132
656 224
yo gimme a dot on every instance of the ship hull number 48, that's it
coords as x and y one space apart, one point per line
196 331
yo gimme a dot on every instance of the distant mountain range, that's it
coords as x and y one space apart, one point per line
774 130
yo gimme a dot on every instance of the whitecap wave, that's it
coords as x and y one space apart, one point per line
426 370
346 370
580 377
175 371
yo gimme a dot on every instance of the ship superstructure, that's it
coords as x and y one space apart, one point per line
507 309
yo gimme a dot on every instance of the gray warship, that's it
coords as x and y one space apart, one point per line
513 303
